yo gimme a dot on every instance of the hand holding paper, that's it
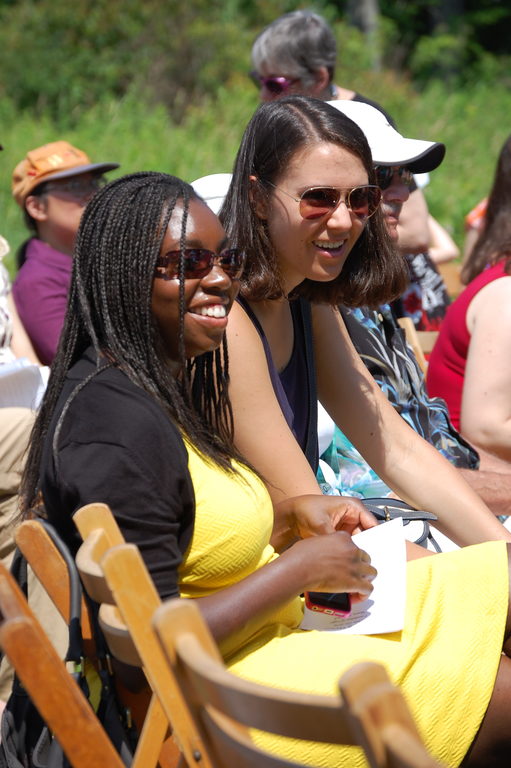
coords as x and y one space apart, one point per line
384 610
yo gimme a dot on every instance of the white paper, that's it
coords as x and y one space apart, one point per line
384 610
22 384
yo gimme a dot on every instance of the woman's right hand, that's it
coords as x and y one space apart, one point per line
333 563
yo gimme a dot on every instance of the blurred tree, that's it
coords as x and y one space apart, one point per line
59 57
364 14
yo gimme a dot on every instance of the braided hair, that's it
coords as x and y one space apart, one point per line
109 307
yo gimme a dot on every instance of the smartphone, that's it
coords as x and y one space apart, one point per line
333 603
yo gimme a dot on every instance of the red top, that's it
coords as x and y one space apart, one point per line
446 368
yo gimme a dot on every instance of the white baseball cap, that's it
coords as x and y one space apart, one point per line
213 189
388 147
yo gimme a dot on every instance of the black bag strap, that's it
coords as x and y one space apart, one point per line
388 509
75 647
19 571
385 509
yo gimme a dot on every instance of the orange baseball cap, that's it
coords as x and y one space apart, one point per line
56 160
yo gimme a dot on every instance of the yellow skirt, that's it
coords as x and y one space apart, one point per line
445 659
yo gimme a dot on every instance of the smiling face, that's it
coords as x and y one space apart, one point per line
314 249
207 300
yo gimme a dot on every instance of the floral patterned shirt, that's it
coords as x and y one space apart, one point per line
381 344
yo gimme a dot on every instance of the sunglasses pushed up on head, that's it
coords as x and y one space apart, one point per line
316 202
197 262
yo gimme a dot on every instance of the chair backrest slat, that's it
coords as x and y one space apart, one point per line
116 572
54 692
371 713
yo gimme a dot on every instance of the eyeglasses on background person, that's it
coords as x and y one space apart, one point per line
275 84
317 202
385 174
198 262
78 187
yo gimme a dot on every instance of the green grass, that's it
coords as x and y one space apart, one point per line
473 123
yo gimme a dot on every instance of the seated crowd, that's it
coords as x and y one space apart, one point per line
195 418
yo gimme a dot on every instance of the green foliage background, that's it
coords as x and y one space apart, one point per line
162 84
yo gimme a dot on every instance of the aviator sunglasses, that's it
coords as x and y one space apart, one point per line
385 174
274 84
198 262
317 202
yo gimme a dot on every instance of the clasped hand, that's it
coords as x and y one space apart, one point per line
315 515
337 564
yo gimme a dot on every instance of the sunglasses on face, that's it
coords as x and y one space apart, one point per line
385 174
317 202
77 188
274 84
198 262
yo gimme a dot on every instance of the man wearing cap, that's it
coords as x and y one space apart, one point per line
380 341
52 185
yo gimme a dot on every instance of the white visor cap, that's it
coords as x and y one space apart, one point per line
387 145
213 189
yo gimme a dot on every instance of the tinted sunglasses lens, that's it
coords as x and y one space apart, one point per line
384 176
364 201
276 85
198 262
318 201
232 262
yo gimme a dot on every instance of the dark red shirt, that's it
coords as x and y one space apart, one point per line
446 369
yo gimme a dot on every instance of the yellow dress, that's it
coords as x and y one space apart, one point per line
445 659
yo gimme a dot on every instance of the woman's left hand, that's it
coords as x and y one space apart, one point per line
315 515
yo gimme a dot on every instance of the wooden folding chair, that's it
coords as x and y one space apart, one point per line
370 713
51 570
450 272
412 338
427 340
54 692
115 576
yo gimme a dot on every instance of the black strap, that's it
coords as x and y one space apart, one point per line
75 647
311 445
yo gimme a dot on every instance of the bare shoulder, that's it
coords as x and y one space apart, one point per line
491 303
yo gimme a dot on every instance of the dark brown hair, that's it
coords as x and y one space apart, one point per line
374 272
494 241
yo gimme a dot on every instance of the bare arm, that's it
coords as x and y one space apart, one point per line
264 438
261 432
407 463
442 247
331 563
413 227
486 404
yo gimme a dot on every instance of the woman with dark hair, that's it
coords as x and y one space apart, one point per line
470 366
128 421
303 204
